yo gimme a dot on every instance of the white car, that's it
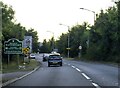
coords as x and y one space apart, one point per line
45 56
32 56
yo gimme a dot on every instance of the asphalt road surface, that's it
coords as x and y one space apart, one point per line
72 73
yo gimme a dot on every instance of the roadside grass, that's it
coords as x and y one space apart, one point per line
69 58
93 61
100 62
14 67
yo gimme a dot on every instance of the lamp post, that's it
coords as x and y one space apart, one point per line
88 41
90 11
53 39
68 48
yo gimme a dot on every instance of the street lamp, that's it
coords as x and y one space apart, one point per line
90 11
53 39
94 23
68 48
52 33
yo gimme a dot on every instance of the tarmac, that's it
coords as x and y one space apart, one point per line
8 78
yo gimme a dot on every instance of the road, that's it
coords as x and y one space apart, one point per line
72 73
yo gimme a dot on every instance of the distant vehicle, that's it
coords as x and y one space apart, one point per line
45 57
54 59
32 56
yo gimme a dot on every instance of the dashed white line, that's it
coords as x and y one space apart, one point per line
68 64
73 66
96 85
85 76
78 69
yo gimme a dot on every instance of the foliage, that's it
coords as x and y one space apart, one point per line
10 29
45 48
35 44
77 38
106 29
101 42
62 44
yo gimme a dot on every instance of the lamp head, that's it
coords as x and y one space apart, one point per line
81 8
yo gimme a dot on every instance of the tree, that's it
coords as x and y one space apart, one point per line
103 36
35 44
45 48
104 40
62 44
78 36
10 29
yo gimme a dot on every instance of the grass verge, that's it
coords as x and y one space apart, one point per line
100 62
92 61
69 58
13 67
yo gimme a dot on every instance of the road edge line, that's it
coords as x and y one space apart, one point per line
15 79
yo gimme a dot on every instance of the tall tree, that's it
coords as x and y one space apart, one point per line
62 44
45 48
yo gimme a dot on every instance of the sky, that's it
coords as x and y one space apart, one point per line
46 15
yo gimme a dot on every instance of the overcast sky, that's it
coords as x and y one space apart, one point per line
46 15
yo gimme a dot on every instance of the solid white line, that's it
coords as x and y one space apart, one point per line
96 85
85 76
78 69
13 80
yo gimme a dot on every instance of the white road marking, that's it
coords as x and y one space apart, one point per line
78 69
13 80
68 64
85 76
73 66
116 84
96 85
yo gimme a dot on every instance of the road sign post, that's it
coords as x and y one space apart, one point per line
27 43
13 46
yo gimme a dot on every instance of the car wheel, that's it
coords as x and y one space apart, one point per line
60 64
48 65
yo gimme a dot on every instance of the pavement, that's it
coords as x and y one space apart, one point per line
7 78
13 75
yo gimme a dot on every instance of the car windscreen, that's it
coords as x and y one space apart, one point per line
32 55
54 57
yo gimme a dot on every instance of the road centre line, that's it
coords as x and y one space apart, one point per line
68 64
85 76
78 69
73 66
96 85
